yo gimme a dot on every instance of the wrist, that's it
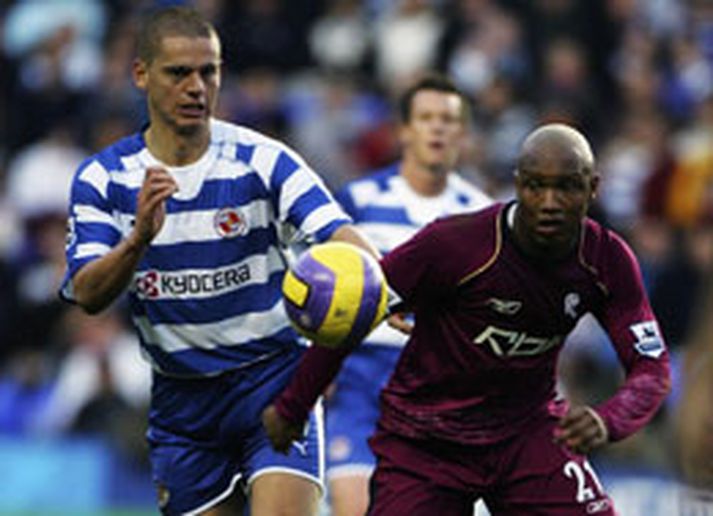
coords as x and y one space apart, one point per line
290 410
604 431
134 244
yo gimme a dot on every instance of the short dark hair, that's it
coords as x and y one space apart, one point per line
170 21
435 82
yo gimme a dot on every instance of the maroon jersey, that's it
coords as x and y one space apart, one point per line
490 323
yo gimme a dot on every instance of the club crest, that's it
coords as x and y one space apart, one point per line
229 223
571 302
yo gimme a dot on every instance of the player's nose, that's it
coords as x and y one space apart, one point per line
550 199
195 83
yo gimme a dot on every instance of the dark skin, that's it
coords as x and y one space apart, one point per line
555 184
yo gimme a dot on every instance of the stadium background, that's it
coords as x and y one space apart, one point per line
635 75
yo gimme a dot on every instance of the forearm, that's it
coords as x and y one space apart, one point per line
319 365
317 368
637 400
96 285
350 234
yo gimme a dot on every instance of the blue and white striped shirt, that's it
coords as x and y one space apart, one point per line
389 212
206 296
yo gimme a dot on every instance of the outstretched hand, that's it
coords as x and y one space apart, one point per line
581 430
281 432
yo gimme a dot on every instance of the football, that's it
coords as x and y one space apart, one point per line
335 294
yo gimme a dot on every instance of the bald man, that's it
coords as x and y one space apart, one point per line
471 411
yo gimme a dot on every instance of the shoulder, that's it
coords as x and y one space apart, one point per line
457 227
252 147
99 169
228 132
468 193
366 189
471 240
605 253
115 156
600 243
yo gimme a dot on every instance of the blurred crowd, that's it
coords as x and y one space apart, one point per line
635 75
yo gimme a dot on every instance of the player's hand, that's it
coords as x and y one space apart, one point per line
158 186
581 430
399 322
281 432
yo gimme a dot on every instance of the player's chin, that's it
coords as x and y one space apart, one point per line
439 166
189 127
553 244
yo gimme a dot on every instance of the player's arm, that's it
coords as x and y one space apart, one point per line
284 419
98 283
350 234
634 332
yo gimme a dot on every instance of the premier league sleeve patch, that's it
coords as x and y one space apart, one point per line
648 339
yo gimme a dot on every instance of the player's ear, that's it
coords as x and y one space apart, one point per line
139 73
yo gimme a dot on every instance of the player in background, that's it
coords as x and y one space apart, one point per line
190 216
471 410
389 206
694 411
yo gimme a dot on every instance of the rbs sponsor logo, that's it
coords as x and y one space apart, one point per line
514 343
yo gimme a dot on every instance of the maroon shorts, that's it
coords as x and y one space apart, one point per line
526 475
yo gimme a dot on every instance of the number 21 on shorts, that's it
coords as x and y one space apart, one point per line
589 489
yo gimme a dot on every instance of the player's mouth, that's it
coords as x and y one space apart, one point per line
549 227
195 111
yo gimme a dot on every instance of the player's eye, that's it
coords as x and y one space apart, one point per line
448 119
209 71
571 185
178 72
533 184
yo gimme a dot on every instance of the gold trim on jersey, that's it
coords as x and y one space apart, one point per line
496 251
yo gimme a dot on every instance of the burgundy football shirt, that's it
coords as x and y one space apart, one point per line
490 323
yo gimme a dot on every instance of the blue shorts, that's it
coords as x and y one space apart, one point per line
354 409
206 435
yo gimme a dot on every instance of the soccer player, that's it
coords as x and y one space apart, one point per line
471 410
191 216
389 206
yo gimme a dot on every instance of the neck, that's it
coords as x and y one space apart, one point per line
422 180
176 149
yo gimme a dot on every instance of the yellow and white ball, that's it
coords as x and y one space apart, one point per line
335 294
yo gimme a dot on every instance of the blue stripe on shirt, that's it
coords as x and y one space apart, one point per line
396 216
215 193
305 204
189 361
209 254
